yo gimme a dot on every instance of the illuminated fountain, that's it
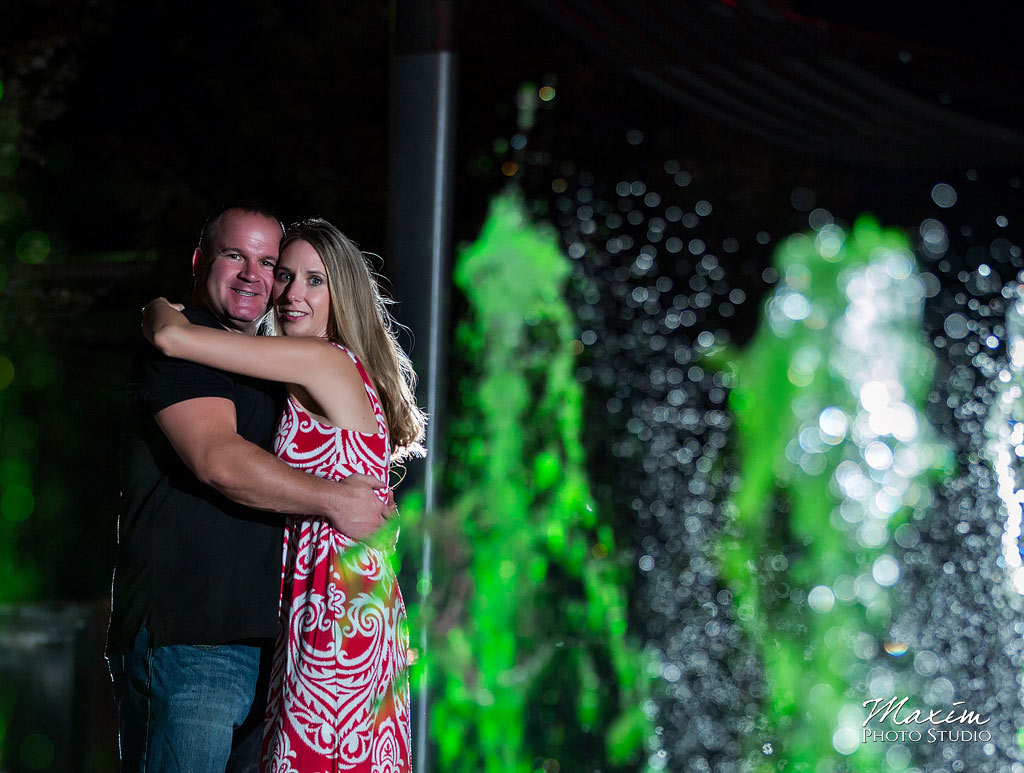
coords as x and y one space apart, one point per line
834 455
892 393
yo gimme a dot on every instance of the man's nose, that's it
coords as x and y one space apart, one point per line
249 271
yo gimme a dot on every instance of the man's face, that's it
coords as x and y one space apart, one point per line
236 278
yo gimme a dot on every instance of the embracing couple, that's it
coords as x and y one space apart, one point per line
256 620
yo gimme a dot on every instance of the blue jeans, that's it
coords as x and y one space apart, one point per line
189 708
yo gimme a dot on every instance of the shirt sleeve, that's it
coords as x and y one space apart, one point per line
167 381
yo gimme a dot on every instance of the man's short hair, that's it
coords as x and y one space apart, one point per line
209 233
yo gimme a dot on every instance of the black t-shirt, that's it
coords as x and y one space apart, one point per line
196 567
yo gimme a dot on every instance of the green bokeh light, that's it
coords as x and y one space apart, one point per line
17 503
33 247
37 751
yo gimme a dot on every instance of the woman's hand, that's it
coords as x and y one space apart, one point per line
160 314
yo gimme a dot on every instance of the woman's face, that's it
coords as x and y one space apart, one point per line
301 296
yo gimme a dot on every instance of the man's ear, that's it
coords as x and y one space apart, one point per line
197 261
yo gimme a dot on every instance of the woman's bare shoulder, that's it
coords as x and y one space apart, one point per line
341 392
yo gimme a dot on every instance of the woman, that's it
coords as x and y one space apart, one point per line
339 695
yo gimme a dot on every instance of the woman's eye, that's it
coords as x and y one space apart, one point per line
316 281
283 276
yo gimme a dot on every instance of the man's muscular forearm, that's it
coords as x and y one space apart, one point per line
247 474
202 432
251 476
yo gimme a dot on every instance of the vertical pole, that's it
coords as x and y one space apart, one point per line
419 246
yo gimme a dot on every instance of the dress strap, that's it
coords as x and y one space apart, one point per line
378 409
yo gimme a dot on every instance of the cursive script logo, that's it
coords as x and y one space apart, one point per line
935 718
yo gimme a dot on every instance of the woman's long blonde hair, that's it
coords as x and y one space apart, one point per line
361 322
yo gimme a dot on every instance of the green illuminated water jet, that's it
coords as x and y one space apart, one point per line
834 454
530 644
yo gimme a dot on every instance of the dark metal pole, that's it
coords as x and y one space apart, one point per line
419 243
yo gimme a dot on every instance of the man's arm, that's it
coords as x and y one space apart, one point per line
203 432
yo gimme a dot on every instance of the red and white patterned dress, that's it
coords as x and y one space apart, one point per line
339 689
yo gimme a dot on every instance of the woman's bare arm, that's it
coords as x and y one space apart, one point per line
296 360
326 375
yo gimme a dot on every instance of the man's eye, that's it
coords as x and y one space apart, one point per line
268 263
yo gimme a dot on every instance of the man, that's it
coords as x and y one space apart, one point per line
197 582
